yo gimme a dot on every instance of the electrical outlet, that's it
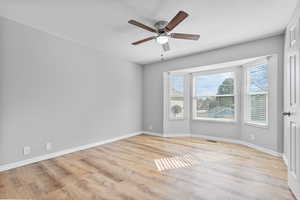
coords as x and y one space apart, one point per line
150 127
48 146
252 137
26 150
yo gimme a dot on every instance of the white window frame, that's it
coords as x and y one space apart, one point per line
247 121
184 97
234 95
292 35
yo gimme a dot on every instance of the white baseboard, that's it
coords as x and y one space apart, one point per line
153 133
262 149
285 159
235 141
216 138
63 152
178 135
167 135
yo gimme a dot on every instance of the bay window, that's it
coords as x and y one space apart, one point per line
212 95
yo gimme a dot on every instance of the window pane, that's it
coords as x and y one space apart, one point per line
258 110
215 107
176 85
176 97
258 78
176 107
214 84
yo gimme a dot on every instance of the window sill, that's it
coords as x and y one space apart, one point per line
177 119
258 125
216 120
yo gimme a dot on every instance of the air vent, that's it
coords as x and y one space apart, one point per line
212 141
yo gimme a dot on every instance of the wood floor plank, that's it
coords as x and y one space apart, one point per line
126 170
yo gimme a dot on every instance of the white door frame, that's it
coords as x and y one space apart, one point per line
292 107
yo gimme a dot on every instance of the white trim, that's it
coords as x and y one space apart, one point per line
177 135
215 71
167 135
258 125
291 182
63 152
292 36
254 146
262 149
285 159
165 99
219 65
247 94
153 133
221 139
169 96
222 120
235 141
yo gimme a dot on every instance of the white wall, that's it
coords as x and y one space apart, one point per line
153 90
53 90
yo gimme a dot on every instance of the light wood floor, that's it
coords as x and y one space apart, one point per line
126 170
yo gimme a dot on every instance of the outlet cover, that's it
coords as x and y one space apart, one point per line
48 146
26 150
252 137
150 127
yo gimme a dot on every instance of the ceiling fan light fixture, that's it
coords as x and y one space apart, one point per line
162 39
162 31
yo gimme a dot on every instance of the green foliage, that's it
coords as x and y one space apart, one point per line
176 109
226 87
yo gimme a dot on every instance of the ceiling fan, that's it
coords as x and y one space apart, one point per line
162 30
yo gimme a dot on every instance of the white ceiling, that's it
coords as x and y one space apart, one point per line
102 24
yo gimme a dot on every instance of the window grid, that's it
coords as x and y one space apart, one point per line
220 107
176 97
256 98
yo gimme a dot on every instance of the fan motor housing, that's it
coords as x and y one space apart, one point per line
160 26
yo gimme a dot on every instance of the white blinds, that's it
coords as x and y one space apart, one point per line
258 108
257 93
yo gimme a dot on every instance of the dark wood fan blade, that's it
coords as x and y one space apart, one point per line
144 40
166 47
143 26
185 36
181 15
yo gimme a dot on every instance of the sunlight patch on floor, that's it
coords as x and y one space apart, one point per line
188 160
174 162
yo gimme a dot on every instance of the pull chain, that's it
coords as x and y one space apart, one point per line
162 57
